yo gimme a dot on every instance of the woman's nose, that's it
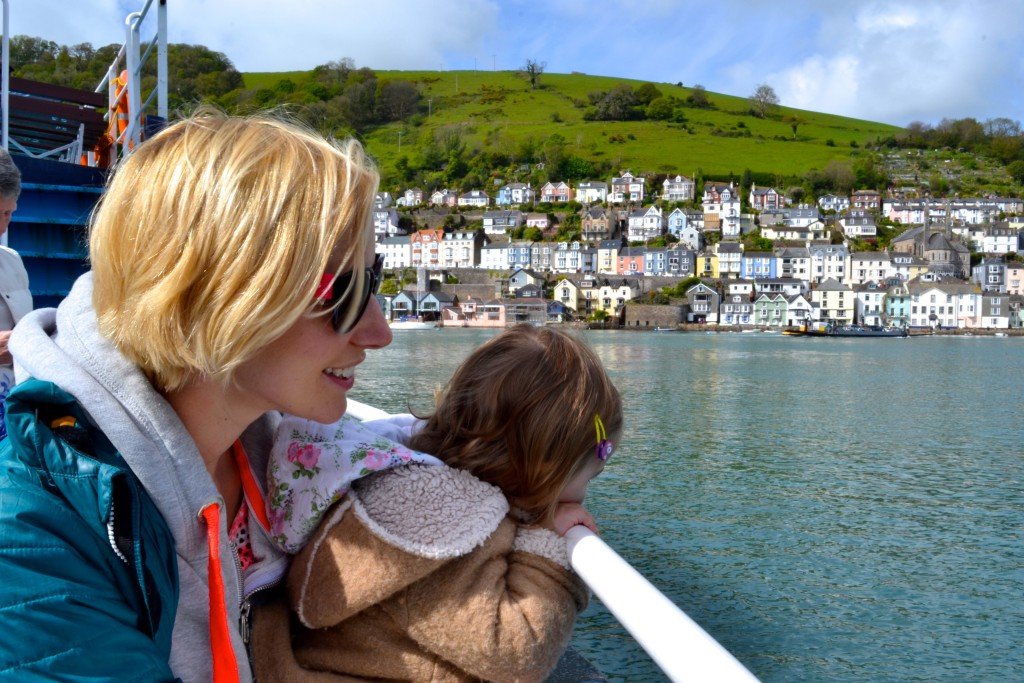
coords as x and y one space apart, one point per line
372 330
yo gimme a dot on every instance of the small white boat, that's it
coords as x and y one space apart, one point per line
413 324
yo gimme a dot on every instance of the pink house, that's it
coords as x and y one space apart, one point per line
556 192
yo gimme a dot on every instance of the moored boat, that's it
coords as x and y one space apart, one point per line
846 331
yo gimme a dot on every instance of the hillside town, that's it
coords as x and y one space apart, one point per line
952 263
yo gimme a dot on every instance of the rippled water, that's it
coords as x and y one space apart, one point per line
828 509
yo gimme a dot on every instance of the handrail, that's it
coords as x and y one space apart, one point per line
677 644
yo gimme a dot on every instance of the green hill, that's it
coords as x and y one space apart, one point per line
498 111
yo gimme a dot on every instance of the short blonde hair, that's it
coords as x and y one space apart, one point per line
519 414
212 237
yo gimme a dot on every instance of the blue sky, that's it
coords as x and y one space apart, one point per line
895 61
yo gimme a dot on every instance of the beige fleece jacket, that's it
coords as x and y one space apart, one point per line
421 574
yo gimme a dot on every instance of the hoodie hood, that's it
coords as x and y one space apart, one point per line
64 346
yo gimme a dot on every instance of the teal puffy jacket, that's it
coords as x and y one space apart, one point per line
88 580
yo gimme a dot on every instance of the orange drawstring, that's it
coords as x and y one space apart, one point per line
253 493
225 668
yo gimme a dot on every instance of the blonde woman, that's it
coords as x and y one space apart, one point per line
17 299
232 277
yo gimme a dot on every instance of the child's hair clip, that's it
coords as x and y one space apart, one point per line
604 447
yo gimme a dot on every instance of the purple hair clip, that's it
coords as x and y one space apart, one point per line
604 447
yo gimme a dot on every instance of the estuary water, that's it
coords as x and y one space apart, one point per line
827 509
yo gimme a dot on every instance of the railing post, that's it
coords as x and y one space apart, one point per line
161 60
5 98
131 23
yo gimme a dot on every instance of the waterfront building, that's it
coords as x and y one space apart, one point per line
514 194
397 252
590 291
495 256
569 293
869 304
736 309
799 310
426 247
990 274
556 193
523 277
868 266
934 304
613 294
432 303
906 266
897 304
703 304
461 249
645 224
592 192
596 223
626 188
765 198
770 309
502 222
678 189
835 302
828 262
755 265
995 310
405 303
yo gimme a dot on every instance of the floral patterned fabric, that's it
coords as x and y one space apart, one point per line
312 466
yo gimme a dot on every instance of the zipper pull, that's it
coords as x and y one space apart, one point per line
244 621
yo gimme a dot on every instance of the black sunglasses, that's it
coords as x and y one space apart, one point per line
342 301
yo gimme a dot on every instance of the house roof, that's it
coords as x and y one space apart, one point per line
869 256
831 285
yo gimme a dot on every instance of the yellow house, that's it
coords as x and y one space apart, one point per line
836 302
707 265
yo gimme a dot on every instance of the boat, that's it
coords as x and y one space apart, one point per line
829 330
666 329
413 324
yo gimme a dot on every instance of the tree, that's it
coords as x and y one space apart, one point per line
647 93
698 98
1016 170
764 100
794 122
660 109
532 70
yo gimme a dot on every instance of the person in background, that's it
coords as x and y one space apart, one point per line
17 299
452 570
232 279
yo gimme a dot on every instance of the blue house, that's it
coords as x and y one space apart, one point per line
655 261
758 265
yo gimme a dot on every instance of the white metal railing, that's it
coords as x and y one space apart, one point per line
676 643
131 92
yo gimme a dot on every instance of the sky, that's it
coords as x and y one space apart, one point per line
893 61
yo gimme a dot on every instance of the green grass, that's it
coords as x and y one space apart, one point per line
499 109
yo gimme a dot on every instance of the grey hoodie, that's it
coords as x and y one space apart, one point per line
64 346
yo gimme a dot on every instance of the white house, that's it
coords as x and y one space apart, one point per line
476 198
869 304
494 256
572 257
462 249
723 201
411 197
858 225
501 222
678 189
397 252
936 304
794 262
868 266
385 222
831 202
799 310
829 262
645 224
592 192
444 197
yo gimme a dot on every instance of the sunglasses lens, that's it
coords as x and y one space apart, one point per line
371 283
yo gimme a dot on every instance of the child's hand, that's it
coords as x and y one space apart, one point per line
568 515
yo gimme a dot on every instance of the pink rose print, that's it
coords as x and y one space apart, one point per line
277 521
304 455
376 460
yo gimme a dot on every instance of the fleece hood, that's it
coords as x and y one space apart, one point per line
64 346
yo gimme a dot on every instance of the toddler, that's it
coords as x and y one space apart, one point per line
452 567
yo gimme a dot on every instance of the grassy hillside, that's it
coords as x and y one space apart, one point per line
497 110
